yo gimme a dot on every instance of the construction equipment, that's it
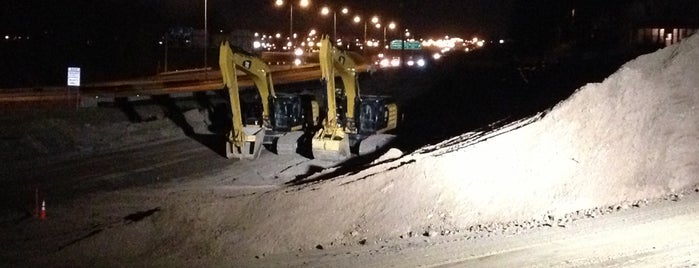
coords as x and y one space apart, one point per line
243 141
284 116
292 116
377 114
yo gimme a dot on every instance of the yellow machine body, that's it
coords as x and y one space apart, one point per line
330 142
245 142
334 139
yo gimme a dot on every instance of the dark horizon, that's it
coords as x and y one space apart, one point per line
115 39
489 18
33 17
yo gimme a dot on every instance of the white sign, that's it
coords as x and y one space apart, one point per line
74 76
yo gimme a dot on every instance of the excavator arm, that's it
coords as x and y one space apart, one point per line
332 141
245 141
346 68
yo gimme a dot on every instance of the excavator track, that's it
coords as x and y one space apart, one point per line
374 143
288 143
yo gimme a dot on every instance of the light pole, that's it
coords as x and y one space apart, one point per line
374 20
206 36
326 10
302 3
358 19
165 60
391 26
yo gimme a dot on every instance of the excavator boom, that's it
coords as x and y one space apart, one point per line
331 142
244 142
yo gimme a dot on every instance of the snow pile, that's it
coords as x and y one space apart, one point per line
632 137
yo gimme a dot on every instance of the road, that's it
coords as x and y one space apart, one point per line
663 234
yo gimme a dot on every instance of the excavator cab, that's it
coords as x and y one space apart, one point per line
376 114
292 115
293 112
287 115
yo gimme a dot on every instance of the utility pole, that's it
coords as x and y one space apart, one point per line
165 59
206 38
364 45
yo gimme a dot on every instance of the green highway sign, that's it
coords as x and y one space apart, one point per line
409 45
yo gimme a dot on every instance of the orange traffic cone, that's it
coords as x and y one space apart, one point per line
42 215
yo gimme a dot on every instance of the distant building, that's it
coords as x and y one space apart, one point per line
662 35
603 24
662 23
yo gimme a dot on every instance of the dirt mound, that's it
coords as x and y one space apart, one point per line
31 134
629 138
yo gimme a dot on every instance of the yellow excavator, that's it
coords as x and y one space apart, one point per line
284 115
376 114
243 141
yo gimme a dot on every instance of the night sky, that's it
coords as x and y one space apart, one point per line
425 18
120 38
114 39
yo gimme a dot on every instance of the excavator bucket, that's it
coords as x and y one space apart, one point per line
250 148
331 146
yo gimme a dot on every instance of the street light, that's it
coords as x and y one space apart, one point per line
374 20
302 3
358 19
206 36
391 26
326 10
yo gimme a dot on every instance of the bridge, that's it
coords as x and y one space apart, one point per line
176 84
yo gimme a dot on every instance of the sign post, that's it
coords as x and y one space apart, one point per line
74 82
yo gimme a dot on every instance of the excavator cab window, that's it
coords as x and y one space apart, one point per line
372 115
251 110
287 112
